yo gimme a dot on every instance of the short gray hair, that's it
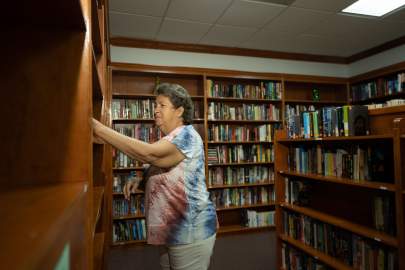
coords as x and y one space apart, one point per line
179 97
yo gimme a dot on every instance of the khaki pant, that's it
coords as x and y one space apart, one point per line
195 256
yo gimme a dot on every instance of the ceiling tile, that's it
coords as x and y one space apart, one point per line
323 5
135 26
297 20
182 31
227 35
140 7
207 11
275 41
250 14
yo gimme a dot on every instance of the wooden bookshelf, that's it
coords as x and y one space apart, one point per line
344 224
241 185
343 181
246 206
128 243
238 229
240 164
328 260
98 194
236 142
128 217
63 213
98 247
247 100
359 222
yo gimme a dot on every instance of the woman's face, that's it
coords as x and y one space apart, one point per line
167 117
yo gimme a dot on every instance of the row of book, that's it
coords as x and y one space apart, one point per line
121 160
129 230
354 161
270 90
254 219
228 197
351 249
387 86
389 103
223 111
133 108
143 132
225 132
123 207
329 121
294 259
382 207
240 175
240 153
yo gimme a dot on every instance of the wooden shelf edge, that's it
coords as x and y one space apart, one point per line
288 100
340 138
241 185
219 99
247 206
126 243
98 251
344 224
98 87
127 169
316 254
241 229
98 193
238 142
240 164
243 121
128 217
343 181
387 110
96 29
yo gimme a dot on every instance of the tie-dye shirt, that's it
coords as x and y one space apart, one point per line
178 208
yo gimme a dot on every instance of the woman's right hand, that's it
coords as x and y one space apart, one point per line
130 187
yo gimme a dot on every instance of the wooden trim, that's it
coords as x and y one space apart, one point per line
380 48
223 73
378 72
241 229
159 45
266 183
245 206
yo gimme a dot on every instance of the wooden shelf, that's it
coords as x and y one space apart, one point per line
242 229
320 102
340 138
128 217
96 29
243 100
122 194
142 96
98 193
98 90
133 120
244 121
344 224
240 164
119 169
236 142
332 262
98 251
342 181
387 110
39 220
245 206
132 242
241 185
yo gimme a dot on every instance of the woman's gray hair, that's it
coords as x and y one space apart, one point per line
179 97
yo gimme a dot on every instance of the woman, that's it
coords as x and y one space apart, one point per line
179 215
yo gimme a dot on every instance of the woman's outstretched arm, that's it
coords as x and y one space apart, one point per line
161 154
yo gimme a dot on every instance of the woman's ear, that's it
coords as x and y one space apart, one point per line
180 111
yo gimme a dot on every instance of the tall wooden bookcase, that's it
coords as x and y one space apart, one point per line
340 210
49 199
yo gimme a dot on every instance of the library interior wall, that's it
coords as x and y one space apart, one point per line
256 249
255 64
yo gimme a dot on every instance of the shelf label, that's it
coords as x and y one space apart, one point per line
281 171
85 187
377 239
383 188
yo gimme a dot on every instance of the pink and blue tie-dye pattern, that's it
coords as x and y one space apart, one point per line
178 208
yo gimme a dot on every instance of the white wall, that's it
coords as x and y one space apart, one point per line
254 64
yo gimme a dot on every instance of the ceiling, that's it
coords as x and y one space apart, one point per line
300 26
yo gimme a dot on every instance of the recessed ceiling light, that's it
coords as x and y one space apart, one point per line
374 7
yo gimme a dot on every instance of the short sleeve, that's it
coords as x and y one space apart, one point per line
184 141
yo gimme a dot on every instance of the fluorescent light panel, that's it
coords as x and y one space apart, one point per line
374 7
